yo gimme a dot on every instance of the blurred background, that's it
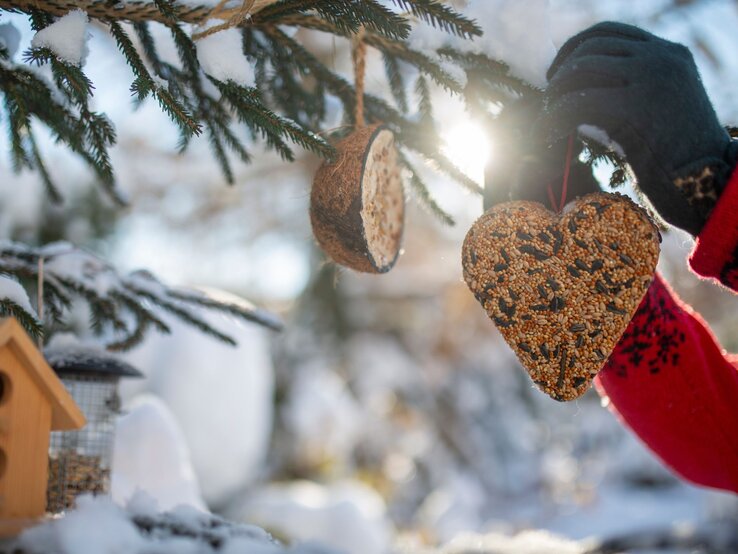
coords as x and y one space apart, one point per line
389 413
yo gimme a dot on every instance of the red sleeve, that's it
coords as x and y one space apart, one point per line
670 382
715 254
668 378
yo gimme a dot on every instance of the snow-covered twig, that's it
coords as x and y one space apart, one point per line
123 307
715 539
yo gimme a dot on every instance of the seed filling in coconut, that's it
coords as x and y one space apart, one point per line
357 204
382 200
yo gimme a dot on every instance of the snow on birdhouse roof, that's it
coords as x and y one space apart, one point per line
67 355
65 414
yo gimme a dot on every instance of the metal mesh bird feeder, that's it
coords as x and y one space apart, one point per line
80 461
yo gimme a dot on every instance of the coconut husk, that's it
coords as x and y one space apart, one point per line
357 203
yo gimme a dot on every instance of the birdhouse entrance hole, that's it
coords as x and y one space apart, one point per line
4 397
4 388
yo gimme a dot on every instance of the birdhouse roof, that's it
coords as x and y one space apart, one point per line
88 361
65 414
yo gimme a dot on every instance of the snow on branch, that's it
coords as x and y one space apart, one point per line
122 306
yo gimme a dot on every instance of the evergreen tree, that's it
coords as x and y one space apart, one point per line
286 108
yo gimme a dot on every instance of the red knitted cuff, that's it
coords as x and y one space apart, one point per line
716 252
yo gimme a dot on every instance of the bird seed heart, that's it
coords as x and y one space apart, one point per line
562 288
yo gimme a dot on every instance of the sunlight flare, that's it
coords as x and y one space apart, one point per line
468 146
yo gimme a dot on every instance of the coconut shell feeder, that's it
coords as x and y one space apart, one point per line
80 461
357 203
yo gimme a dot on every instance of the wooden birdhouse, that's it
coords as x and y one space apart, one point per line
33 402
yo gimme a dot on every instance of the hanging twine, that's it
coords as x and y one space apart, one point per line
358 56
233 17
565 182
40 298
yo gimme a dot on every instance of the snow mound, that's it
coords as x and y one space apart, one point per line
221 397
346 515
98 526
150 455
527 542
322 414
66 37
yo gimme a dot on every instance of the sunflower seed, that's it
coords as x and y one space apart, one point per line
553 284
627 260
544 351
556 304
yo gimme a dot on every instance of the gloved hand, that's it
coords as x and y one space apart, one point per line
524 165
646 94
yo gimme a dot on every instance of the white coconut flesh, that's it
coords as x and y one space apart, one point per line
383 200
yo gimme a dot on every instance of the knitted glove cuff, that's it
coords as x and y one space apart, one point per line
716 251
701 189
703 182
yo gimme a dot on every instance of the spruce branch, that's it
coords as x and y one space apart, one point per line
144 285
51 189
288 104
126 10
407 132
39 19
26 95
495 73
68 77
216 145
440 15
242 310
394 78
273 127
18 123
143 85
595 153
122 306
396 48
424 63
28 321
420 190
168 10
425 106
348 16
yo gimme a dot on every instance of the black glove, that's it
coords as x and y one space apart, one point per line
524 165
646 94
